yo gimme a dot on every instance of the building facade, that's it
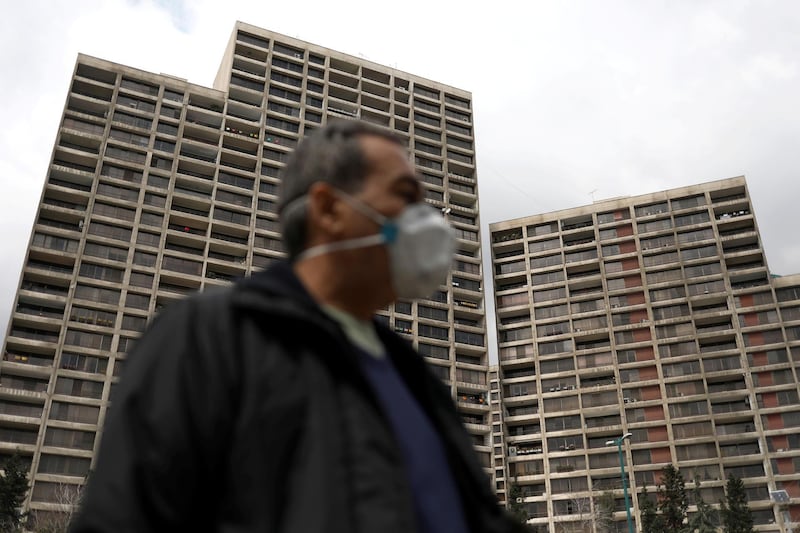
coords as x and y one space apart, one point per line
653 315
158 188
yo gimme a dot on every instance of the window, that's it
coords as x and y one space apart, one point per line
159 181
437 352
54 243
667 294
125 155
181 265
660 259
85 339
132 120
102 273
70 412
231 216
430 312
708 269
105 252
563 423
144 259
557 365
97 294
698 253
109 231
129 138
164 146
549 295
475 377
64 465
140 279
285 94
515 334
139 86
473 339
694 236
433 332
551 312
694 218
93 316
677 349
679 410
689 201
134 323
84 363
655 225
79 387
651 209
546 348
173 95
148 239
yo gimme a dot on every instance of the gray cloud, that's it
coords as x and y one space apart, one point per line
619 98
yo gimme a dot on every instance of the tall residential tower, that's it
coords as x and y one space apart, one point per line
158 187
652 315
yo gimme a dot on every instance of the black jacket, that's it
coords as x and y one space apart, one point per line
244 410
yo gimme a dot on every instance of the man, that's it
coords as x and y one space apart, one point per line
278 404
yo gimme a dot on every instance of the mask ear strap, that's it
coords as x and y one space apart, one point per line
362 208
292 205
349 244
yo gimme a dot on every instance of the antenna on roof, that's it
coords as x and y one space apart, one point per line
591 193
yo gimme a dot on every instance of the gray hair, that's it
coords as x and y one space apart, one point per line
332 154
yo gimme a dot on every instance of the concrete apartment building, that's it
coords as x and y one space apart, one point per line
158 188
653 315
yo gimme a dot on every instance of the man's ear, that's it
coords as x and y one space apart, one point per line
324 212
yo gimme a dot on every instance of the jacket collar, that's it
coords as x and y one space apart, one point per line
277 290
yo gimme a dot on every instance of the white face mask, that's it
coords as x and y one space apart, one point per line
420 241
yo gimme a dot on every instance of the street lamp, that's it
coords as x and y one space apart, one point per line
618 442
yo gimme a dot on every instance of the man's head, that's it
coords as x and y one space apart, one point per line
338 186
335 155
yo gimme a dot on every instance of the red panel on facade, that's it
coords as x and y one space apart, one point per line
632 263
774 421
770 399
651 393
760 358
654 413
649 372
661 455
624 231
633 281
658 433
635 298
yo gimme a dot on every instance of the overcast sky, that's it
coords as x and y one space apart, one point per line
573 100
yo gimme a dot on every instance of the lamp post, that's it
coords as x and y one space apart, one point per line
618 442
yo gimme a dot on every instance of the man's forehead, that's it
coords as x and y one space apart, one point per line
387 155
375 146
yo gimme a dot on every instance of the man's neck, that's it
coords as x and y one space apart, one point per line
326 286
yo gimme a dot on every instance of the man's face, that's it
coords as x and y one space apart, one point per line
389 186
391 183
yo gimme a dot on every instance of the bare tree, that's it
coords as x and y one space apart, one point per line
604 512
582 514
67 498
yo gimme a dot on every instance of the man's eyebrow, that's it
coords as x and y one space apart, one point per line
413 180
